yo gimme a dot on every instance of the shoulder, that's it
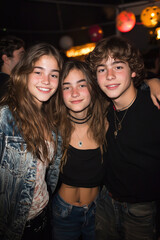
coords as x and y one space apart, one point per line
7 121
3 77
5 113
146 104
144 98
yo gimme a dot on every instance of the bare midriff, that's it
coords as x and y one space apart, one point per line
78 196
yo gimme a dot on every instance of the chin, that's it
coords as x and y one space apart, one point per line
44 100
111 96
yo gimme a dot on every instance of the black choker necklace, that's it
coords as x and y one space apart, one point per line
81 120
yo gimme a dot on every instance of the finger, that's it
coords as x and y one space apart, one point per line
155 101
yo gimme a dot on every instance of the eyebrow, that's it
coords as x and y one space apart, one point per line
119 61
79 81
52 70
115 62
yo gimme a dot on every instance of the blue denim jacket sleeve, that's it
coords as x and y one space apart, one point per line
18 170
53 171
1 142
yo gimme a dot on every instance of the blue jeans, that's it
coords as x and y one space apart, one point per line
69 222
124 221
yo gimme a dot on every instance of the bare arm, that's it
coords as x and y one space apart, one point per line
154 85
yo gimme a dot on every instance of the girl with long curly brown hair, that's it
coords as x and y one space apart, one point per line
29 144
82 125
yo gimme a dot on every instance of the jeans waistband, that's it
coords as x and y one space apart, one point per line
64 203
130 201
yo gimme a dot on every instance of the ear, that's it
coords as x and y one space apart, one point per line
133 74
5 58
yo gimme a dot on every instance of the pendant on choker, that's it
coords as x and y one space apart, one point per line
80 143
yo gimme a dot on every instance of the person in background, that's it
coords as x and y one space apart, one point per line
127 209
82 125
152 63
152 67
11 51
29 144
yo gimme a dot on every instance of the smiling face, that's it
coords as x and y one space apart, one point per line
115 79
43 81
76 95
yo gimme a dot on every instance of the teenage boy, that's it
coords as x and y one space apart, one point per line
132 185
11 51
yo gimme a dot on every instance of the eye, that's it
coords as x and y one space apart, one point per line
83 85
99 70
119 67
38 73
54 76
65 88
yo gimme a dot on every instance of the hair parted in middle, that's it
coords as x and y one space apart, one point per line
33 123
118 48
97 107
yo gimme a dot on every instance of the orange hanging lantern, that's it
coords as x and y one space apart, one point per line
125 21
150 16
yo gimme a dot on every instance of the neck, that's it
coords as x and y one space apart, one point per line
125 101
5 69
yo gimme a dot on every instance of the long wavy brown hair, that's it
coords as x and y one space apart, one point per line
118 48
97 107
33 123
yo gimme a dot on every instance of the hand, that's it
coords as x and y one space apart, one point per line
154 85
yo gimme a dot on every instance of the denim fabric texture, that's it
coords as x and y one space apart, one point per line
17 177
70 222
124 221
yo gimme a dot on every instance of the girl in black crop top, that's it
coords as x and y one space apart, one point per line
82 124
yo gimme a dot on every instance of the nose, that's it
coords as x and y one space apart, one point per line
110 74
75 92
45 79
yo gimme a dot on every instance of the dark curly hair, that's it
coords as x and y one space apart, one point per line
118 48
8 45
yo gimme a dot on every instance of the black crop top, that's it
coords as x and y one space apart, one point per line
84 168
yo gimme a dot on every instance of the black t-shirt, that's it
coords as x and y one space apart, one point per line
3 83
133 158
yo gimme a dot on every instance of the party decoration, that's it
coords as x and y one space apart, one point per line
78 51
157 31
125 21
150 16
66 42
95 33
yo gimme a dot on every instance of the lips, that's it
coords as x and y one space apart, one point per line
112 86
76 101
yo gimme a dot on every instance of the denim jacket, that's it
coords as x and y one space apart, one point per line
17 177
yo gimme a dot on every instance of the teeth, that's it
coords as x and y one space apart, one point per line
44 89
112 85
